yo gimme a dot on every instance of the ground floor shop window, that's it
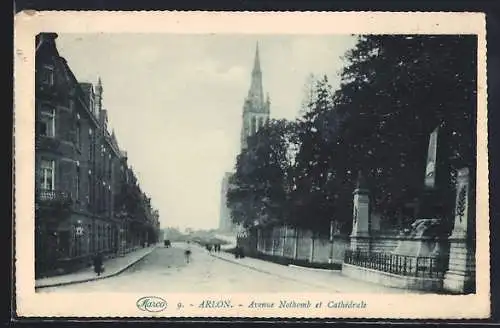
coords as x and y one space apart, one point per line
89 238
78 245
95 237
99 238
110 238
64 243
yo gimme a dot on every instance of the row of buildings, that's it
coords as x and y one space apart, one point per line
87 197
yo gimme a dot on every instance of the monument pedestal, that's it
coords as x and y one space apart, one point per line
429 204
461 274
360 236
360 242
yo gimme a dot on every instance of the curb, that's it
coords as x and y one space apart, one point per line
98 277
314 269
269 273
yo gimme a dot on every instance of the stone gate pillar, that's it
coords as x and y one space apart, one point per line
460 277
360 236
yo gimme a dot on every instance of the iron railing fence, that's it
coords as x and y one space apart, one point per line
404 265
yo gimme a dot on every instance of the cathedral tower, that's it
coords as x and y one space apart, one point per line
255 108
255 115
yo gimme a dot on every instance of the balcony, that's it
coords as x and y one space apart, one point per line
46 143
53 200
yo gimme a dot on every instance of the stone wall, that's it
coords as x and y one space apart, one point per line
384 243
301 244
392 280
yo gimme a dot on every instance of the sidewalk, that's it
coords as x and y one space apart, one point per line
329 280
112 268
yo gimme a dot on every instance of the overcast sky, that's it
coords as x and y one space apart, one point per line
175 102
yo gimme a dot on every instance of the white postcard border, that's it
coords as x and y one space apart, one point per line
28 24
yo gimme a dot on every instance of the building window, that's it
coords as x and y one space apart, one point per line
91 151
78 135
253 126
77 183
104 167
47 123
102 198
47 171
47 75
91 105
110 238
91 145
89 190
99 238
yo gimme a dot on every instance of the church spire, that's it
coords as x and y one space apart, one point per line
256 109
256 65
256 93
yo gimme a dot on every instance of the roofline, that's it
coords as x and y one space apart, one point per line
80 95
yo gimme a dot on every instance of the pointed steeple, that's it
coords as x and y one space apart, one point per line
256 64
256 93
256 109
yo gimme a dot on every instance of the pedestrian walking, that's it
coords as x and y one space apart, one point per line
97 261
187 253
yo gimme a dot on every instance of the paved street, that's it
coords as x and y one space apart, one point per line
165 270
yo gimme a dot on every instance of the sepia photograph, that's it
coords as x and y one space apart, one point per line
255 163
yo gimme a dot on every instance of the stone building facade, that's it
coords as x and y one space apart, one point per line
78 170
225 224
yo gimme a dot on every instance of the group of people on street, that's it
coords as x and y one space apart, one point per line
239 252
214 248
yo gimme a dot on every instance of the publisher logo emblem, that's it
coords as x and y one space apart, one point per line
151 304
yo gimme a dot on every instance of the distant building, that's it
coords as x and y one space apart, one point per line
225 223
256 111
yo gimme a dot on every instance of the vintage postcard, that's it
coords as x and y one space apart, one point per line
246 164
